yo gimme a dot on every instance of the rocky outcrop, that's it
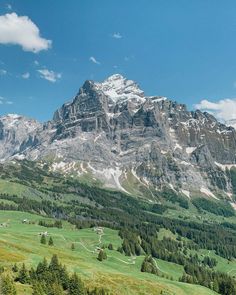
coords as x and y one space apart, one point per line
17 134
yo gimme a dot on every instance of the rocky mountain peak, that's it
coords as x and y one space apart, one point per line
11 121
118 88
112 131
231 122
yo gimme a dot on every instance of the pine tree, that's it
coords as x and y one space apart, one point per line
38 289
149 265
32 274
50 242
76 286
43 240
110 246
102 255
64 278
72 246
55 289
15 268
7 286
41 270
215 286
54 264
23 276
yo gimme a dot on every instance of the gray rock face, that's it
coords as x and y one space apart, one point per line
114 132
17 133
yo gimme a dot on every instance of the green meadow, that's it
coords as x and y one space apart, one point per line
20 242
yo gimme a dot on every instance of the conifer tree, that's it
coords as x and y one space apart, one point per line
76 286
7 286
32 274
15 268
50 242
43 240
38 289
54 264
23 276
110 246
55 289
64 278
102 255
41 270
72 246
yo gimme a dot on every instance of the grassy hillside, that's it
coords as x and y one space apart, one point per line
169 227
20 242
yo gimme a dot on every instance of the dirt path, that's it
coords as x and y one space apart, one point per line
82 244
58 235
233 269
133 258
133 262
158 267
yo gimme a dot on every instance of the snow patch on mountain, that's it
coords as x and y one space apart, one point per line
190 150
226 166
208 193
186 193
119 88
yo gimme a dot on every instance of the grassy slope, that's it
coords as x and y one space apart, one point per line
20 243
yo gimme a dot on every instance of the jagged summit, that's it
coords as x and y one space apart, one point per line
231 122
118 88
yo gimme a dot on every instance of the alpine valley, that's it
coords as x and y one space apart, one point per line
137 195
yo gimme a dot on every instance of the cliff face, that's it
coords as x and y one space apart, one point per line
115 133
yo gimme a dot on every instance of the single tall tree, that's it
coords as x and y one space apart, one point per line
50 242
43 240
102 255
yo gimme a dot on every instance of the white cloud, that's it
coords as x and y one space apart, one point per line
93 59
3 72
224 109
117 35
4 100
49 75
25 75
20 30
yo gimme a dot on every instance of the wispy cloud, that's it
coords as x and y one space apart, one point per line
8 6
93 59
3 72
224 109
36 63
25 75
5 101
20 30
49 75
117 35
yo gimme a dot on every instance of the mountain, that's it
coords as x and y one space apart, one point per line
16 135
231 122
113 132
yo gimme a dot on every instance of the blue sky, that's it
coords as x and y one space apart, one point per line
185 50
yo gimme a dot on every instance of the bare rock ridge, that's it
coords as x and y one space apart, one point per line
113 132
